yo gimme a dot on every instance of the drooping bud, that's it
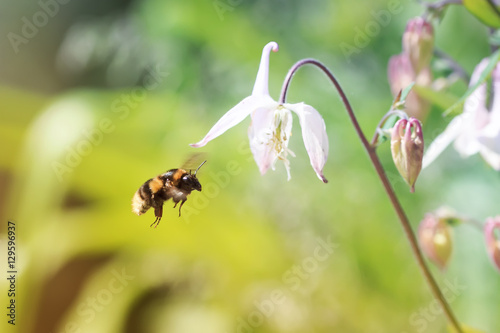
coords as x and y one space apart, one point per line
493 243
418 43
407 146
434 236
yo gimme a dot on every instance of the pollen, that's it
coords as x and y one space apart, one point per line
280 134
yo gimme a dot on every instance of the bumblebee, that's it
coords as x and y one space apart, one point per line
175 183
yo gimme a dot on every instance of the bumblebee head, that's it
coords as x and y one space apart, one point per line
189 180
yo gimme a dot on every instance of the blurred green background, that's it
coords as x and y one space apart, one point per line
105 95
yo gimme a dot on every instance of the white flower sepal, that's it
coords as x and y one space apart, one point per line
271 125
477 129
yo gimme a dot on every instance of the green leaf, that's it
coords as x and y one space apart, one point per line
455 108
399 100
465 329
406 91
485 11
440 98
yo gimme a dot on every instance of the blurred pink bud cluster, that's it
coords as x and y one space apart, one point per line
434 236
492 242
413 65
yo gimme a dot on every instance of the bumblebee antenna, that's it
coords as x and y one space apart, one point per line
205 161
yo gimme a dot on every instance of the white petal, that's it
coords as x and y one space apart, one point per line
261 82
491 157
490 144
475 105
495 107
314 135
478 70
467 144
233 117
259 134
443 140
490 134
475 117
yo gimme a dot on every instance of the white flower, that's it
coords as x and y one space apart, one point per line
271 125
477 129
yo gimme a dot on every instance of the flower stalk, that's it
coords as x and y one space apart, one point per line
371 151
379 129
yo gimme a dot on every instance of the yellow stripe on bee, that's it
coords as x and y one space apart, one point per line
177 175
155 185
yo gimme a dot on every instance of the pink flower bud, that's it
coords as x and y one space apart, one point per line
493 243
407 148
418 43
434 236
401 74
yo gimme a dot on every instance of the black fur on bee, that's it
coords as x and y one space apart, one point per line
175 184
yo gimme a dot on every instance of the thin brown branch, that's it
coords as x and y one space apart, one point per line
385 182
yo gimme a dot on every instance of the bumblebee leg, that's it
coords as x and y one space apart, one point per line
157 221
158 214
182 203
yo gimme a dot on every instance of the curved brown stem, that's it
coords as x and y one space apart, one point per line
390 113
455 66
385 182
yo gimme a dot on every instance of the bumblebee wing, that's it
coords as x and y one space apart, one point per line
193 161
